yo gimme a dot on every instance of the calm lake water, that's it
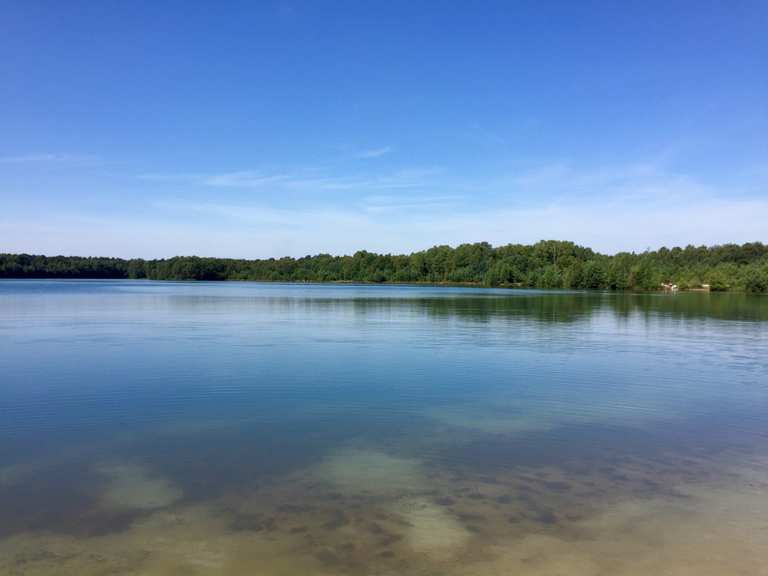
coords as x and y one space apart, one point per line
159 428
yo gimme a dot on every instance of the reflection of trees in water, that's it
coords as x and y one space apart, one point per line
572 307
543 306
745 307
547 307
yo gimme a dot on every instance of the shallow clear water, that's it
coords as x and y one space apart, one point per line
243 428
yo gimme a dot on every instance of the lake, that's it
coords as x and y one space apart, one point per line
169 428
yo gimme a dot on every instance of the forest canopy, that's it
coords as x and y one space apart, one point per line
546 264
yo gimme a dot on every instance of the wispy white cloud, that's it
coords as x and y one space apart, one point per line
374 152
395 203
479 134
50 158
171 177
305 180
246 179
562 181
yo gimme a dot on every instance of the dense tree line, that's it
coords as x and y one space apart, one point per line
546 264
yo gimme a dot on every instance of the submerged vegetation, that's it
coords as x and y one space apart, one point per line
546 264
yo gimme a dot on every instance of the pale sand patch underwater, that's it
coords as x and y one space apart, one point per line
131 486
516 417
355 470
431 529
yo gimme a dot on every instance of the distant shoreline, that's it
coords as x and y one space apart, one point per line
547 264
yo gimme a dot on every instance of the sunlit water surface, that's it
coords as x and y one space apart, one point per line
266 429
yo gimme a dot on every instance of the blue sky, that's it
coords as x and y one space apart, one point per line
287 128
